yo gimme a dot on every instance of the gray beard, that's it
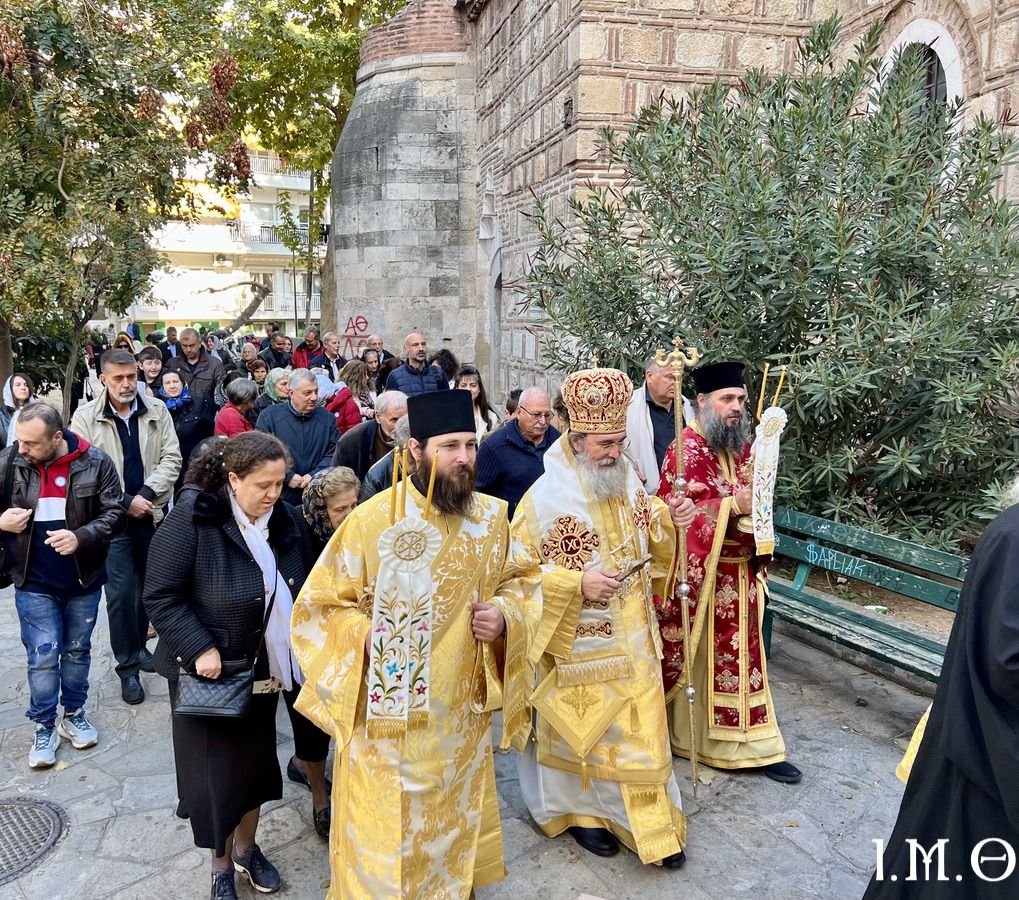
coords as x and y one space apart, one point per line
723 438
602 482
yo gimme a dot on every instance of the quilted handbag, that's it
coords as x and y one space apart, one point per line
226 697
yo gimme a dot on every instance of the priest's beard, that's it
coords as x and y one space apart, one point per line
454 485
720 435
602 480
1011 497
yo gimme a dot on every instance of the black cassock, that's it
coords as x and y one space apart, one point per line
964 786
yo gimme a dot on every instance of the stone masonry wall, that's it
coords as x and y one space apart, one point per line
404 255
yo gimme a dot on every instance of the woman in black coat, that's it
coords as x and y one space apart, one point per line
227 547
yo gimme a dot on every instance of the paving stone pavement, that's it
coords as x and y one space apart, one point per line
748 836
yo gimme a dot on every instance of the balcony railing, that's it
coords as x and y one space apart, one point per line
284 303
273 165
273 234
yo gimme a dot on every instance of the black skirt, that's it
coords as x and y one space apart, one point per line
225 769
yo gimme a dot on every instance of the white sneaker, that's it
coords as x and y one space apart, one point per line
44 748
78 730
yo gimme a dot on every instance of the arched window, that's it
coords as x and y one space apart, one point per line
937 86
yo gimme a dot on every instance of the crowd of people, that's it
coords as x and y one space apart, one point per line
372 540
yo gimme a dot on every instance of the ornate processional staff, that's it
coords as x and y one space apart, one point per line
679 360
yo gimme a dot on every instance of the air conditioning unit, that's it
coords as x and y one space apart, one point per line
222 261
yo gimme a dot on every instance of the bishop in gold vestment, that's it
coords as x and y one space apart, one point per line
600 764
415 811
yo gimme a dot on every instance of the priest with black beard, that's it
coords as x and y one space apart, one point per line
735 722
963 789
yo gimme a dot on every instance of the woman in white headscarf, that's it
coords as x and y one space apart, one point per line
18 393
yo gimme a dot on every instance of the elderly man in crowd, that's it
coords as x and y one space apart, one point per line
510 459
306 429
415 376
651 422
736 726
375 343
308 349
365 444
137 433
330 358
601 547
199 370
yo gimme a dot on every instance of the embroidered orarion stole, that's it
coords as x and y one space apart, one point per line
598 694
729 603
415 814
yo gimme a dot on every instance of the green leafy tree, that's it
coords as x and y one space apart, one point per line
834 216
298 62
102 106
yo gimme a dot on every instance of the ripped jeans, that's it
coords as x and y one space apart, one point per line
57 633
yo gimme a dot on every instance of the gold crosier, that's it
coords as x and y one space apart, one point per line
679 360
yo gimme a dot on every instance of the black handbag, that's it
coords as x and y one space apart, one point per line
226 697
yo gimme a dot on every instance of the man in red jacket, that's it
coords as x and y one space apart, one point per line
308 349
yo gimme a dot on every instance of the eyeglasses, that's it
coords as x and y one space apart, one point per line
611 445
546 416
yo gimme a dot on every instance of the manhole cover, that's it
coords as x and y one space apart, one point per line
28 831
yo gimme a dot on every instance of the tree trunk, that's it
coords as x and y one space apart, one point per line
6 352
312 237
329 314
260 292
72 366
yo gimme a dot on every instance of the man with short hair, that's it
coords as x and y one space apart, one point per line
306 429
200 371
651 422
510 459
330 358
170 348
270 329
64 511
365 444
308 349
415 376
275 354
137 433
380 475
601 548
736 726
409 697
374 342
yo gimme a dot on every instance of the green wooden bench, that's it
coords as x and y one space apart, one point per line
895 565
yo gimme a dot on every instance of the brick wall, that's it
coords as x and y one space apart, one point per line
422 26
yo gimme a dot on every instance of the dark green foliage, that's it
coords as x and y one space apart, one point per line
830 215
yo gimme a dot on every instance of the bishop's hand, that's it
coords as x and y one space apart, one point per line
487 621
597 584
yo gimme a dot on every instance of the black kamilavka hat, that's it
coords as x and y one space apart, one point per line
441 412
718 376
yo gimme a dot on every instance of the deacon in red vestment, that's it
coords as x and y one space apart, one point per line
734 716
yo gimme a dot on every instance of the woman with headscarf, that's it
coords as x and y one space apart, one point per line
327 500
217 349
277 389
18 393
226 565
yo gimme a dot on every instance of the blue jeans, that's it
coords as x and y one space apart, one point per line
57 634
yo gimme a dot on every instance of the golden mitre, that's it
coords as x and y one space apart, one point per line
597 400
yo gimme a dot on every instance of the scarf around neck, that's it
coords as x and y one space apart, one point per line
283 666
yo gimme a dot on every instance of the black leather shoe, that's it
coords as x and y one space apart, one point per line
298 777
146 662
131 689
599 841
675 861
322 819
784 772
